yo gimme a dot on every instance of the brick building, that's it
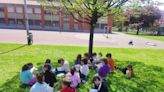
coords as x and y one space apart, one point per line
12 16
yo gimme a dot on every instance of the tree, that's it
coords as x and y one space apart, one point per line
148 18
142 14
119 20
90 11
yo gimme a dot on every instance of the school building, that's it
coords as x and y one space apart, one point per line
12 16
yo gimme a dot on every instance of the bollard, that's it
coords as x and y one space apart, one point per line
30 39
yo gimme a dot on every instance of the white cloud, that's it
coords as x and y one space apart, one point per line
161 6
162 1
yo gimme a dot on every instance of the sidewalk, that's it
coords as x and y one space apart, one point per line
117 40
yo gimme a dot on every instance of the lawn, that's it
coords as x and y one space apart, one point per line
148 36
148 66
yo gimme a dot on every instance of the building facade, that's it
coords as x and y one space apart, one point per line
12 15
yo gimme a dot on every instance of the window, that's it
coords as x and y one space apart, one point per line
55 23
1 20
1 15
48 23
66 16
1 9
37 22
19 9
46 12
11 21
37 10
31 22
29 10
34 22
20 21
11 9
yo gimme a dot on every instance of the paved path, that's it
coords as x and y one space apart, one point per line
118 40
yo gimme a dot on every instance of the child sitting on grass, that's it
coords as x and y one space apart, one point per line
128 71
49 76
95 59
66 86
74 78
77 62
104 69
86 56
94 62
100 56
26 76
110 61
84 70
47 62
31 67
78 59
99 86
40 85
64 66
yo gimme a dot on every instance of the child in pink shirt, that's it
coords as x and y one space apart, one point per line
74 78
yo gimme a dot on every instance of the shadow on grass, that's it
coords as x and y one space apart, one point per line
13 49
13 85
147 79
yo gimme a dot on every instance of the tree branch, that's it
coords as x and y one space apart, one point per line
79 19
75 17
87 6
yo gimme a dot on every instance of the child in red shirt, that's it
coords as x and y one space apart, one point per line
66 86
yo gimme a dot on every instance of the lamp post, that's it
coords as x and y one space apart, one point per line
29 35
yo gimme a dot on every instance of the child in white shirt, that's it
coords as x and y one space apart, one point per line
64 66
84 70
40 85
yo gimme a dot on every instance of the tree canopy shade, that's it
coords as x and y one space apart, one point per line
89 11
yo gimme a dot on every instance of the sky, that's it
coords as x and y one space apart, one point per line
161 7
160 1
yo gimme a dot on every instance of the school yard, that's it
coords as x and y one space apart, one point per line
148 66
115 39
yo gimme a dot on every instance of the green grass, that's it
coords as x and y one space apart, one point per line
148 66
159 38
148 36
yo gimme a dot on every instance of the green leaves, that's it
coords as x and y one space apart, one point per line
87 8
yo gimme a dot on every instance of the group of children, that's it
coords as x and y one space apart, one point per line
74 76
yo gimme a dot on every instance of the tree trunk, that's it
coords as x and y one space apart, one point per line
91 38
138 30
126 29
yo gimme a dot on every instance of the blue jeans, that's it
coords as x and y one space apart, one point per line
56 72
82 76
